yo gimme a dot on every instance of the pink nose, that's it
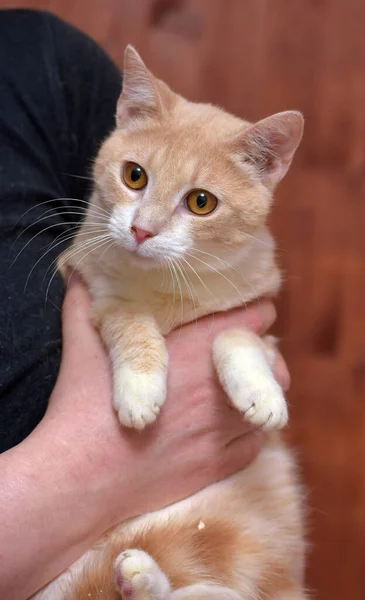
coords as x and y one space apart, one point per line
141 234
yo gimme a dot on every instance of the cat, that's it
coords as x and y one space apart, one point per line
176 229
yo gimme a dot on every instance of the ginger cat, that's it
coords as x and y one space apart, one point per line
175 230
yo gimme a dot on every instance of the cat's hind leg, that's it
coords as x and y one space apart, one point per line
202 591
294 593
138 577
244 365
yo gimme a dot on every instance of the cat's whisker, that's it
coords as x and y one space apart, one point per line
252 237
70 253
48 215
172 288
54 245
79 247
93 249
98 210
43 231
168 277
72 209
181 311
221 274
185 276
78 176
44 202
81 244
62 224
171 313
181 294
201 281
229 267
99 244
112 243
176 285
206 288
70 232
217 258
163 274
55 305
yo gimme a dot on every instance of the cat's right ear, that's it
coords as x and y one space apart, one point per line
143 95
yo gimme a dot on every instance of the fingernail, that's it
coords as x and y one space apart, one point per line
268 315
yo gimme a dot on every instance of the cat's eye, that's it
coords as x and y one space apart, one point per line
201 202
134 176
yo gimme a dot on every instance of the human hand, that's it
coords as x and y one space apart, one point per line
196 440
79 472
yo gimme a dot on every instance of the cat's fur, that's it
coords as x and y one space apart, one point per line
242 538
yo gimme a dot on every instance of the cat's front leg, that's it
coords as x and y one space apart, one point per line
244 365
139 360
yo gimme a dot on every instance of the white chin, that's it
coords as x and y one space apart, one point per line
145 262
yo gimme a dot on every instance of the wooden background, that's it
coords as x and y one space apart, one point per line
255 57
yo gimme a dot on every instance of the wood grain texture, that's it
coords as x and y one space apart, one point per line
255 57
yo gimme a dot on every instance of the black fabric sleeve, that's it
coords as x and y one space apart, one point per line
58 92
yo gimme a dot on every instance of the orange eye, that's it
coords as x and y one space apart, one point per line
134 176
201 202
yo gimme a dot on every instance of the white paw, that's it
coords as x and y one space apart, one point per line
139 577
263 406
244 371
138 397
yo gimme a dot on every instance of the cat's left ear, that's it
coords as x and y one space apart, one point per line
270 145
143 95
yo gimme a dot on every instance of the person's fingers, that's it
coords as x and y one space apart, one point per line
257 317
281 372
242 450
76 304
84 366
76 316
79 336
81 341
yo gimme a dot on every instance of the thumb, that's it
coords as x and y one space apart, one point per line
84 370
80 339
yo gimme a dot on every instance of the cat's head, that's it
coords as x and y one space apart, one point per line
179 178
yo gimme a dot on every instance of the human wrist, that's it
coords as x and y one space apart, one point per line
52 503
56 484
88 463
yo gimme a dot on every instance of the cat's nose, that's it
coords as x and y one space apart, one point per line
141 234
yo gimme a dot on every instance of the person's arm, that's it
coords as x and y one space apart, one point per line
79 473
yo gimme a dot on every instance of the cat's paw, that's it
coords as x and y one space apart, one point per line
138 397
263 406
244 371
139 577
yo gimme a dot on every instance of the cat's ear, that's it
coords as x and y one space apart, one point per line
270 145
143 95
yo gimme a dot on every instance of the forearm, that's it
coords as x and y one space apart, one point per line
50 512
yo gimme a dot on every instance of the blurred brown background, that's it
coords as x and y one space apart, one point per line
255 57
